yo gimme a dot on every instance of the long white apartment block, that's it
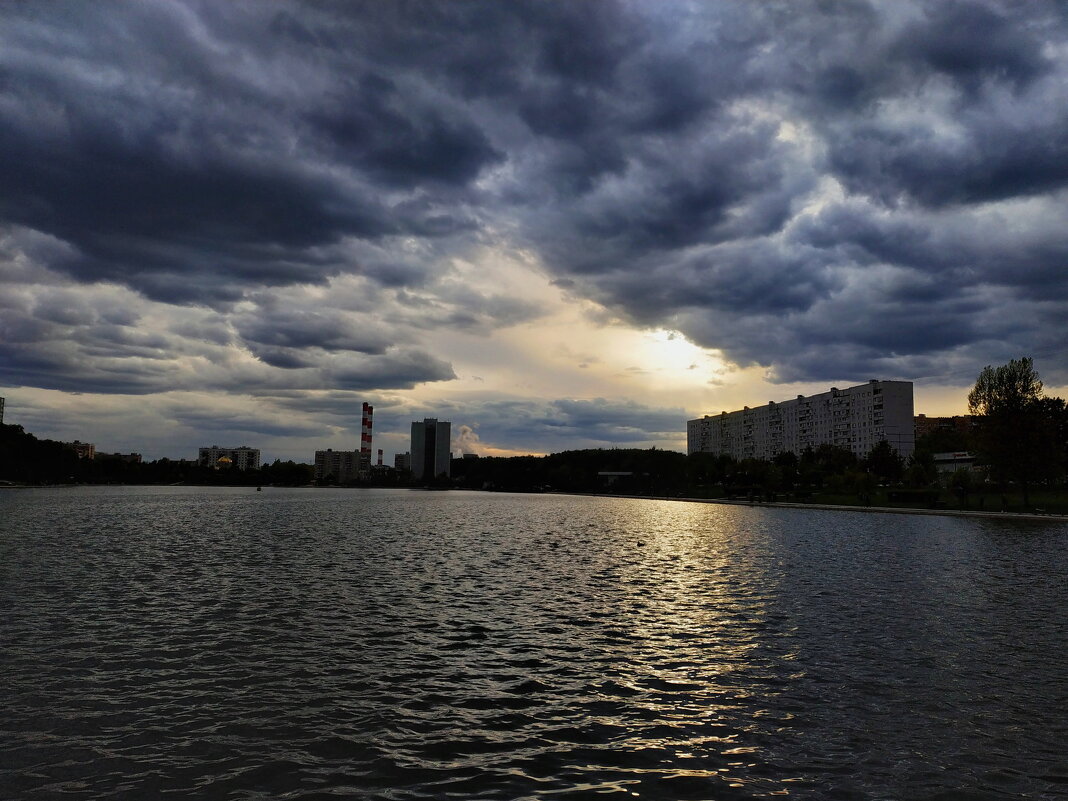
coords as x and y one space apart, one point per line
856 419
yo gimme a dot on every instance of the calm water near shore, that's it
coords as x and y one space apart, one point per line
322 644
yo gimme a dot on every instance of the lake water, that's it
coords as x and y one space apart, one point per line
324 644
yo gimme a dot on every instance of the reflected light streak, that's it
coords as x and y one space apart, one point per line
701 620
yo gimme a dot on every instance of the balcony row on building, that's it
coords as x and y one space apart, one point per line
856 419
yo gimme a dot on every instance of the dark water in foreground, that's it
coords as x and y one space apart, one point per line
305 644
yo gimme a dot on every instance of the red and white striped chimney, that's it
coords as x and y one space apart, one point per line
379 457
365 431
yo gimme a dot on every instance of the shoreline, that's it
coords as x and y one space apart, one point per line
892 510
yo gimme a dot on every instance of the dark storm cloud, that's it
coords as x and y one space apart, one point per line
610 421
94 339
542 426
841 189
900 104
173 172
946 39
369 125
215 422
310 329
980 127
334 404
401 368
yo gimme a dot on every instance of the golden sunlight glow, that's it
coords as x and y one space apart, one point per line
671 352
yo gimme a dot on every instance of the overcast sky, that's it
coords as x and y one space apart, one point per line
556 224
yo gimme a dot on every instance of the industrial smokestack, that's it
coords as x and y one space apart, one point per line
365 431
379 457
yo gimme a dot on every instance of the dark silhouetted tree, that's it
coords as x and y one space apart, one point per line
1016 425
921 471
962 483
883 462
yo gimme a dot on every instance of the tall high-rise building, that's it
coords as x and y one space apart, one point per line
431 448
857 419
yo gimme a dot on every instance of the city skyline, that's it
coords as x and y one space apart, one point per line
453 446
556 225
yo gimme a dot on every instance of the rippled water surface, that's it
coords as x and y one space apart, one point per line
307 644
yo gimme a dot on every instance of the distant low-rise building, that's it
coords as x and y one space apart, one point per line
243 458
338 466
856 418
960 424
952 462
85 450
129 458
1 411
402 461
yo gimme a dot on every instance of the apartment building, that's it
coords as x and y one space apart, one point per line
856 418
243 458
342 466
